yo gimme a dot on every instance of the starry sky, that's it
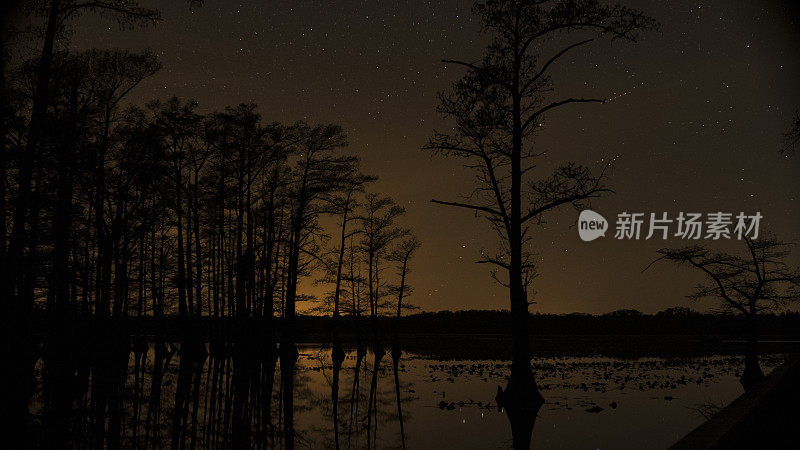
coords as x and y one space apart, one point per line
694 125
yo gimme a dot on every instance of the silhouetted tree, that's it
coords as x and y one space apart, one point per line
378 231
244 141
318 172
758 282
178 127
498 107
402 255
356 290
139 173
126 13
342 205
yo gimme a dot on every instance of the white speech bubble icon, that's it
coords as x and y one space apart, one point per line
591 225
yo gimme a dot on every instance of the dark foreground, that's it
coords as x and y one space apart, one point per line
764 417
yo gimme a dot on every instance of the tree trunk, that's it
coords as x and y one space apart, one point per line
197 250
240 269
521 384
269 244
20 309
190 303
63 215
288 362
338 353
396 344
182 307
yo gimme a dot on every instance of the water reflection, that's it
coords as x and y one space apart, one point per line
248 393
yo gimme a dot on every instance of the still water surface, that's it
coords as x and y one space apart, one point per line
158 396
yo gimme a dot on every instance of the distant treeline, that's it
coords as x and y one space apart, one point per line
679 321
674 321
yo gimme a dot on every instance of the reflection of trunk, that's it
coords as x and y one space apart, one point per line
241 391
354 394
57 379
198 374
522 420
140 373
337 367
161 362
288 361
521 400
266 395
752 373
373 394
108 382
521 406
215 377
395 363
180 414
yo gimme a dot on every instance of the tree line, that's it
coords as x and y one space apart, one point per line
162 210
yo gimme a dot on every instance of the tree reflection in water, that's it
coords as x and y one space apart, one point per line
158 394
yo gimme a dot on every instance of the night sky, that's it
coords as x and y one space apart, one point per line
695 123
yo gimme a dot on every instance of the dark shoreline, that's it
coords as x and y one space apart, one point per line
441 343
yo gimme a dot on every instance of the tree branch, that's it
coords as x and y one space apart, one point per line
554 105
550 61
485 209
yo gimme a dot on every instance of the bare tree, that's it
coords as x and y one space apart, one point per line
760 281
343 204
178 127
319 172
498 106
378 231
57 12
402 255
